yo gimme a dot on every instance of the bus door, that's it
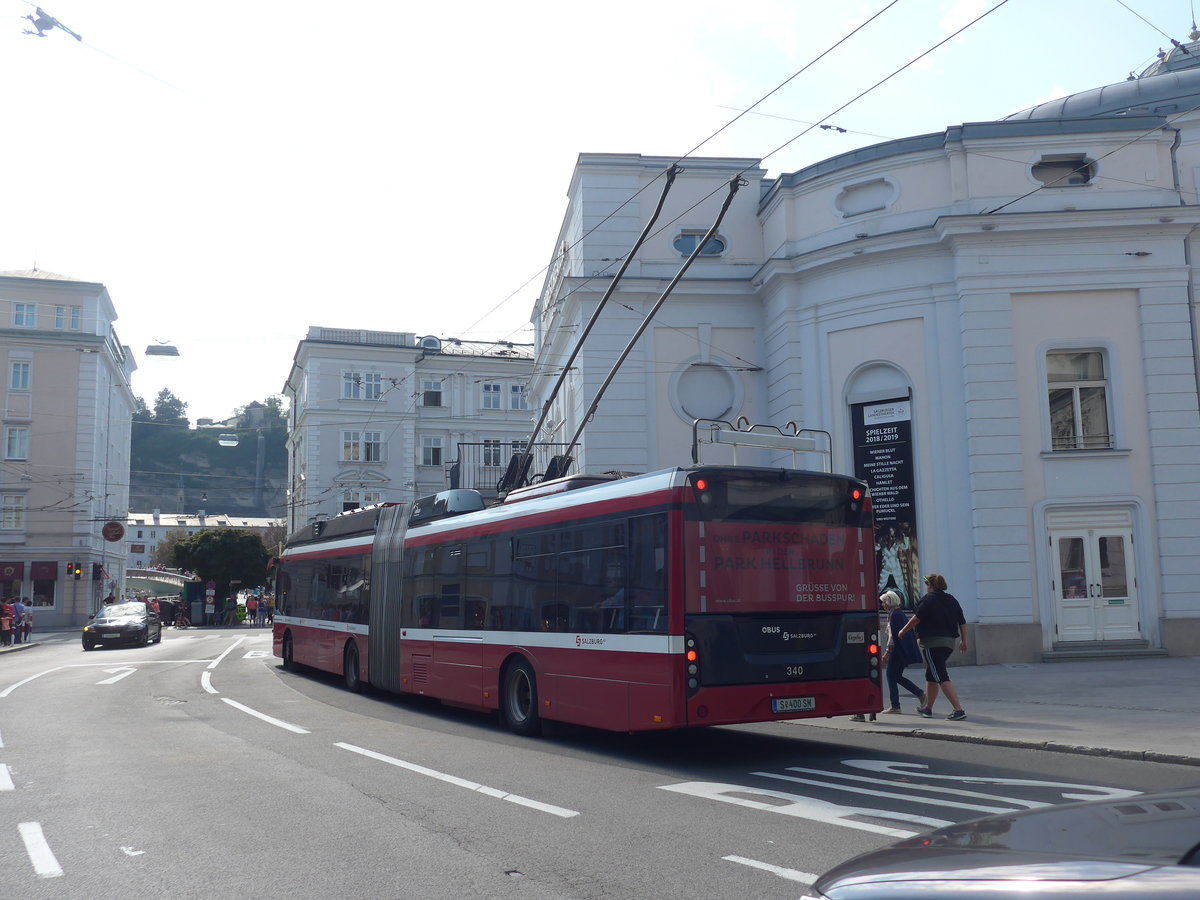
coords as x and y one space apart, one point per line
457 635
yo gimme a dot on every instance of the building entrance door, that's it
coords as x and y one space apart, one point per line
1094 585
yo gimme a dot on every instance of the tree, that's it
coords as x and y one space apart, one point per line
141 412
164 550
169 409
224 556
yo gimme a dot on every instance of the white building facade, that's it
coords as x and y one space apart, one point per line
996 325
386 416
144 531
67 419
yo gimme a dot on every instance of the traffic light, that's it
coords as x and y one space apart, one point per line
97 571
76 571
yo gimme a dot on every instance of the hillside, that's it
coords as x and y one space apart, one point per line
177 469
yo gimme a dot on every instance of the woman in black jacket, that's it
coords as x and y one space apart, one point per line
940 625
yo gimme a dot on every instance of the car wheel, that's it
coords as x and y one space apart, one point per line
158 637
144 639
87 646
518 699
350 669
289 661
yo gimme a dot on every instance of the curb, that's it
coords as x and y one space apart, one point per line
1051 746
15 647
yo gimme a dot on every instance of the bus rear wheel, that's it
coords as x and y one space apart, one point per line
518 699
350 669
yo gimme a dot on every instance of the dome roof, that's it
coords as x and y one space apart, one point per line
1170 85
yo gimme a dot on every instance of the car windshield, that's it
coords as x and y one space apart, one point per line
122 609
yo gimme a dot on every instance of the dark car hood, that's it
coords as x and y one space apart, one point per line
1095 841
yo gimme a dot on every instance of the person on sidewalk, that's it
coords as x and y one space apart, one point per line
898 653
18 628
940 624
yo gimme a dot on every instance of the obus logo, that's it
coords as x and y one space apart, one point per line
581 641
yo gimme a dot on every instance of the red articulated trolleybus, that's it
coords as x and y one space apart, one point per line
707 595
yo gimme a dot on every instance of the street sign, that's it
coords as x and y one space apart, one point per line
113 531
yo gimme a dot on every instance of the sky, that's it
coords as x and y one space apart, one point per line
235 173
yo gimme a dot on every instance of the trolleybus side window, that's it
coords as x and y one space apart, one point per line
648 573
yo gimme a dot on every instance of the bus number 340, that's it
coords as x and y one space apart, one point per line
795 670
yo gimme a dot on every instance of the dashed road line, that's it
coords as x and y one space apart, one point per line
462 782
279 723
789 874
40 854
6 782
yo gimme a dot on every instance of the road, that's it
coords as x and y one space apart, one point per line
200 768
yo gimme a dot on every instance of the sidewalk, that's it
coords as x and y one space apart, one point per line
1133 708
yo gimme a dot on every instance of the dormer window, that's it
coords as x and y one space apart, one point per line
430 343
1067 170
686 242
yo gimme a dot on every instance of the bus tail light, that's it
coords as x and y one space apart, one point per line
691 664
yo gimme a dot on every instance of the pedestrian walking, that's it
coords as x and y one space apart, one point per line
898 653
18 622
940 624
28 624
251 610
6 624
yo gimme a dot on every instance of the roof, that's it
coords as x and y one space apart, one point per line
1171 85
41 274
188 520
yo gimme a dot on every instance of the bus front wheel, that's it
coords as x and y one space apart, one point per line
519 699
289 661
350 669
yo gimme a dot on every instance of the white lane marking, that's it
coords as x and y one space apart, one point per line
228 650
125 671
6 782
129 851
462 782
789 874
803 807
206 682
257 654
928 788
1 741
8 690
875 792
141 662
40 854
1094 792
269 719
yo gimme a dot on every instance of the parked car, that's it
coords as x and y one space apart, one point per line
1145 847
122 624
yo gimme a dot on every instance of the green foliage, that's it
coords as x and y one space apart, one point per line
224 556
169 409
164 550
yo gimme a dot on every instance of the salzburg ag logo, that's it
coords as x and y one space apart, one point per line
581 641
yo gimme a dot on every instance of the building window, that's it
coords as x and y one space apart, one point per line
362 446
360 499
431 451
686 242
431 392
18 376
1070 170
491 453
12 511
16 442
65 316
362 385
491 395
24 315
1078 392
516 397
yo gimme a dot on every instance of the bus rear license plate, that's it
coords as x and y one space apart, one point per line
793 704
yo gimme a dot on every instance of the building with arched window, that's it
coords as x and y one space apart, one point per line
996 324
